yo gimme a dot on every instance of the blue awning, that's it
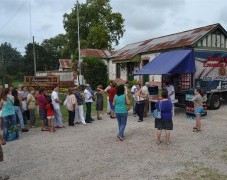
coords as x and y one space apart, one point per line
177 61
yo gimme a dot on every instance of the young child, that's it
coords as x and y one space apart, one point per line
99 101
50 114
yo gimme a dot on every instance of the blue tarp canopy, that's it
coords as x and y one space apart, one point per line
177 61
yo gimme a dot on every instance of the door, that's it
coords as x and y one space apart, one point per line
145 77
130 70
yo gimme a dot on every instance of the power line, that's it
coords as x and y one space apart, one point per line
12 17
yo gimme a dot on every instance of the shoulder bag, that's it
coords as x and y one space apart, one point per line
156 112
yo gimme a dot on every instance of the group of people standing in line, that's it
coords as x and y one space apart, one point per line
118 99
17 106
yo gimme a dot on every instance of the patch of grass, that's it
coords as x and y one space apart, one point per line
200 171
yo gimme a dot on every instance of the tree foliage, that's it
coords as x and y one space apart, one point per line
43 62
11 61
99 27
95 71
57 47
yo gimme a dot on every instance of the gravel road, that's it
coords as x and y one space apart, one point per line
94 152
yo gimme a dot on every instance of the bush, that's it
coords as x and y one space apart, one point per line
95 71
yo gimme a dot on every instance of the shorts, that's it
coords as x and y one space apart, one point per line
50 117
112 107
42 114
198 111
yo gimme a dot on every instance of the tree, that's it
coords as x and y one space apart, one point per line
95 71
57 48
99 27
11 61
43 61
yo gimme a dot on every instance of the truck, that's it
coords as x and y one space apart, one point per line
210 76
192 68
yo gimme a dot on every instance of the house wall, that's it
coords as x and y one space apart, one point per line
112 70
213 40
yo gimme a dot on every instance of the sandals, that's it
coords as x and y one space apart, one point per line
158 142
196 130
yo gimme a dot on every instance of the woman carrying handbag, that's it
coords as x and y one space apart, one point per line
165 122
120 102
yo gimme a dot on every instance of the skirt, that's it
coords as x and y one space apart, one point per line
166 125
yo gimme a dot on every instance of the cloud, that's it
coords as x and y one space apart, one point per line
144 19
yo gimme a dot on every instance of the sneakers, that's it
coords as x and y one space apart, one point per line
24 130
119 137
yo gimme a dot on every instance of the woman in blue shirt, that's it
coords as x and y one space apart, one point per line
165 122
120 101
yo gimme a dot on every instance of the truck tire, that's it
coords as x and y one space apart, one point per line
215 102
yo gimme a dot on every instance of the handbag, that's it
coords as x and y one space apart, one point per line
128 105
12 132
156 112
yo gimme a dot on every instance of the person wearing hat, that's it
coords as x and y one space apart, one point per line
88 101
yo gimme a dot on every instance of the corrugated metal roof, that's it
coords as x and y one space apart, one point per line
65 63
103 54
177 40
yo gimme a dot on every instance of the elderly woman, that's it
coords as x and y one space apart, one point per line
31 104
71 104
165 122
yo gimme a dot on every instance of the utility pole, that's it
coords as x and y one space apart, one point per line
3 69
34 58
78 36
2 62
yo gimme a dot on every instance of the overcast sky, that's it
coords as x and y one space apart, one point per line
144 19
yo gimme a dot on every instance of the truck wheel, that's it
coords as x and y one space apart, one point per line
215 102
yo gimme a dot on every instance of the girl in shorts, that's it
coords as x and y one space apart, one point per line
198 108
50 114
